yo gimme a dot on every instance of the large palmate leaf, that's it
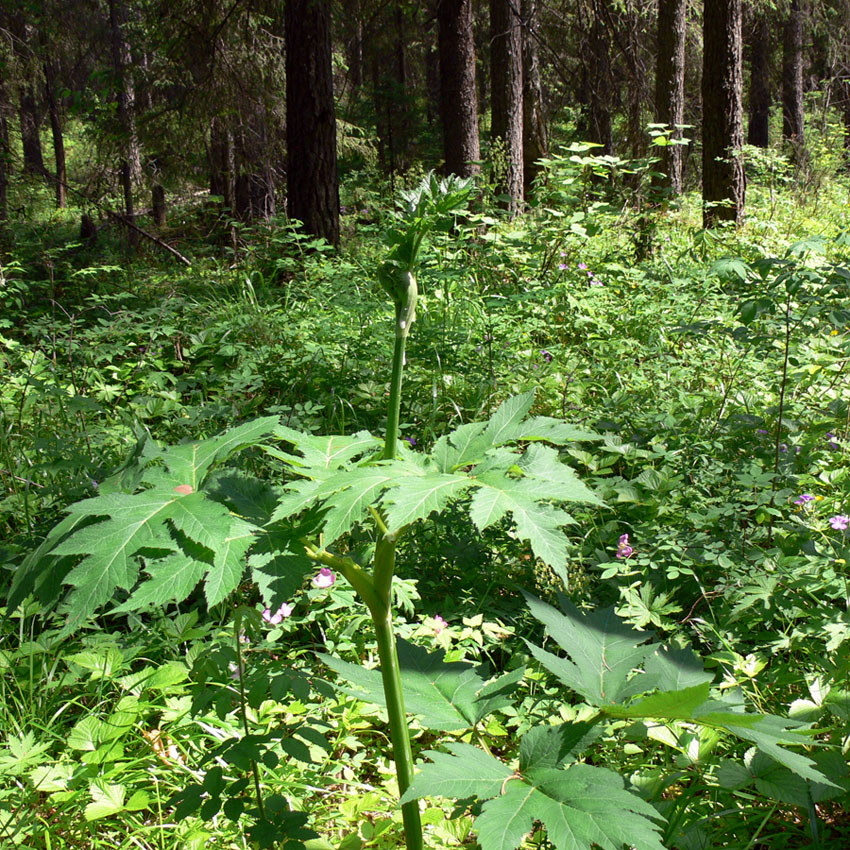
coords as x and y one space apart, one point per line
603 651
176 531
322 453
581 806
446 696
609 662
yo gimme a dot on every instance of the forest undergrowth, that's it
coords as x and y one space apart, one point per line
706 376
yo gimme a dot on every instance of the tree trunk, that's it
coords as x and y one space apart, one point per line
670 86
757 132
535 138
311 173
599 73
120 59
458 94
222 163
506 98
56 128
722 124
4 153
30 136
792 76
158 204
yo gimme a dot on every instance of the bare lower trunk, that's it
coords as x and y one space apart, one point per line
311 169
722 127
670 87
757 132
506 98
792 76
56 128
458 93
535 138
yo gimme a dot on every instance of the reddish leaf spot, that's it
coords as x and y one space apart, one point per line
183 489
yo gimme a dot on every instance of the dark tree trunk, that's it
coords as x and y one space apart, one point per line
388 61
670 86
56 128
30 136
722 125
506 97
4 154
757 132
535 138
120 57
222 163
792 76
158 204
599 73
311 172
458 94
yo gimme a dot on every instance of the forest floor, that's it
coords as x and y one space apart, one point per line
712 368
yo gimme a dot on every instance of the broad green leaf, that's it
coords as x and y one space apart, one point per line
603 651
107 799
446 696
323 454
353 491
278 565
171 579
552 479
674 669
553 746
488 506
581 807
229 562
188 463
462 447
135 522
416 497
467 772
503 423
547 429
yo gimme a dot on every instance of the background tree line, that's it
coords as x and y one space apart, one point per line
254 99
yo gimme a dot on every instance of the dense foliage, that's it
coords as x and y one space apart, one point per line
676 674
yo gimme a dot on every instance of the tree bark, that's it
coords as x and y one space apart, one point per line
311 174
792 76
670 87
458 93
120 59
158 204
506 98
56 128
535 138
30 136
757 132
599 73
4 153
723 184
222 163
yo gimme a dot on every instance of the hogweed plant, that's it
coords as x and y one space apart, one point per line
181 516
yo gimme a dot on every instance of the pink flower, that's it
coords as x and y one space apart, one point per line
840 522
324 578
623 548
439 624
562 266
285 610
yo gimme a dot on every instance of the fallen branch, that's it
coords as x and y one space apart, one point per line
122 219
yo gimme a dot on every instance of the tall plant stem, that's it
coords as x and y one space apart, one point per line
405 296
240 669
391 676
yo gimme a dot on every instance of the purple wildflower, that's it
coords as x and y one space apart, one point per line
806 497
546 355
324 578
562 266
623 548
840 522
411 441
762 432
439 624
582 266
275 619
